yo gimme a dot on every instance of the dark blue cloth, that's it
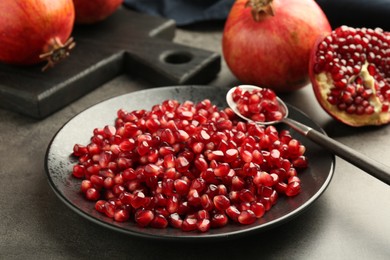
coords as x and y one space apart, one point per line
184 12
355 13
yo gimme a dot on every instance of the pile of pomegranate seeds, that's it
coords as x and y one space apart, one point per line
345 55
259 105
188 166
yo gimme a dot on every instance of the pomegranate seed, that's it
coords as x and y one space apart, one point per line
222 190
203 225
258 209
197 147
151 170
93 148
109 195
78 171
193 198
206 202
93 169
293 189
218 220
181 164
238 183
233 213
97 181
143 148
198 184
159 221
175 220
129 174
79 150
138 200
246 195
92 194
168 136
231 155
181 186
182 135
300 162
109 209
221 202
99 205
172 204
222 170
201 164
202 214
246 217
121 215
189 224
263 178
143 217
216 155
167 187
85 185
126 197
117 189
281 187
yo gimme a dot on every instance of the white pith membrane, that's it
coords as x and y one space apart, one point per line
326 84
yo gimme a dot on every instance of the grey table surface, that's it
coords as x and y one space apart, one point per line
351 220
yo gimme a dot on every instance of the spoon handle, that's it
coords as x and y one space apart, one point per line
372 167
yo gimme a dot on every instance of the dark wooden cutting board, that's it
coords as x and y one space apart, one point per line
127 42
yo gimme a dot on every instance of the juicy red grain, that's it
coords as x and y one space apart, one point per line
189 166
121 215
293 189
203 225
189 224
259 105
159 221
247 217
143 217
92 194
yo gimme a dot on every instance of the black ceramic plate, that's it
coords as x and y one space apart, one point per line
59 163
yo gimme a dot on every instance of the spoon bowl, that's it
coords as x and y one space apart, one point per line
229 99
372 167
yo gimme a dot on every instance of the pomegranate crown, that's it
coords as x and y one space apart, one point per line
260 8
57 52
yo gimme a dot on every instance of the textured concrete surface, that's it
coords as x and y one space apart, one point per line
349 221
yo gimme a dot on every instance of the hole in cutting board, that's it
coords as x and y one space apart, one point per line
176 57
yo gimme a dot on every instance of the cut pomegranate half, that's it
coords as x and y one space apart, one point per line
350 74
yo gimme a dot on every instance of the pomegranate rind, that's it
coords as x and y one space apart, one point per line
273 52
91 12
322 83
29 28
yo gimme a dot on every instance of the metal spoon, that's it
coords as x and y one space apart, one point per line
372 167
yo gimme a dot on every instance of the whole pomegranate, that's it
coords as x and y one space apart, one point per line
34 30
268 42
89 12
350 74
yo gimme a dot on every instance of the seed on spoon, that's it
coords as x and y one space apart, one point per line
259 104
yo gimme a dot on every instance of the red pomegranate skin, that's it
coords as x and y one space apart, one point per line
274 51
89 12
29 27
